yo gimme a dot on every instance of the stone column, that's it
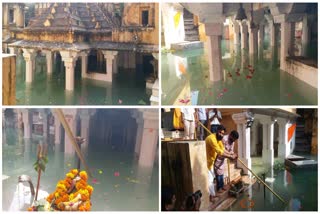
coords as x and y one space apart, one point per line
150 139
285 41
272 35
284 145
57 130
244 35
139 135
69 58
20 16
244 140
236 33
260 40
49 61
27 123
84 64
305 36
254 141
214 34
109 56
44 123
85 128
29 57
268 130
71 120
253 40
5 16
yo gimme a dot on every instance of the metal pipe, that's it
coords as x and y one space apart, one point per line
269 188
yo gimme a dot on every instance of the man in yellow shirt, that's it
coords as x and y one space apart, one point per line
214 147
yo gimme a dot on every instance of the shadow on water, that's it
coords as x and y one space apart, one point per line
246 80
119 182
127 88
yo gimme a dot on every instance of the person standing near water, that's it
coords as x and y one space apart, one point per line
215 147
214 118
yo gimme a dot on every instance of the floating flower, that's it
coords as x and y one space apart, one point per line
116 174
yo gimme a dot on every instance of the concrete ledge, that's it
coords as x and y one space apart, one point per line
97 76
187 45
303 72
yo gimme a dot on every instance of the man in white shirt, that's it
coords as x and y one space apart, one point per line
188 118
214 116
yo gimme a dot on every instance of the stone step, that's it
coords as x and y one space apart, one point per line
187 45
189 27
192 38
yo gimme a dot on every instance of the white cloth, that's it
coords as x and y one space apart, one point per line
188 113
215 121
202 114
211 177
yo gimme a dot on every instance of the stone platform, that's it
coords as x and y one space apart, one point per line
186 45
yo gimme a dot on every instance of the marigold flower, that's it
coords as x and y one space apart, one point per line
74 171
83 175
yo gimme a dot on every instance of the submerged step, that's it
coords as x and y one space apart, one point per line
186 45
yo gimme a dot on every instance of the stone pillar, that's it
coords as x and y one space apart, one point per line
44 123
253 40
27 124
150 139
20 16
236 33
214 34
285 41
85 127
305 36
272 34
244 140
49 61
57 130
84 64
244 35
109 56
284 145
115 64
260 40
254 141
29 57
5 16
138 136
268 130
69 58
292 38
71 120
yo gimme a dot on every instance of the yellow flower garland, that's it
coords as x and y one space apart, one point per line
79 199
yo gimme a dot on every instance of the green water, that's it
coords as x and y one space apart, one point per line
135 189
268 85
127 88
298 187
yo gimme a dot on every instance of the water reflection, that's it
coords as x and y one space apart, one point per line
119 182
50 88
247 80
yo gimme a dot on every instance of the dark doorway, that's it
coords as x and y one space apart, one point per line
145 17
147 66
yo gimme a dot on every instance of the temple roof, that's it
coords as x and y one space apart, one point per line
88 17
82 46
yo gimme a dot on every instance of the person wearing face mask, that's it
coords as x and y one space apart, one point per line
214 147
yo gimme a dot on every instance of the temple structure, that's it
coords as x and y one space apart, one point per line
139 135
96 38
283 23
